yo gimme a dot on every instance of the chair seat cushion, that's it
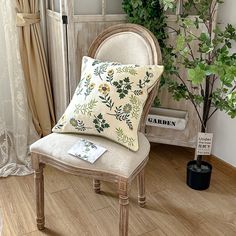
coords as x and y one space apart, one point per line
117 160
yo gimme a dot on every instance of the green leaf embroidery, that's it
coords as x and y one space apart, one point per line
119 114
110 75
136 106
127 69
123 87
101 70
107 100
58 126
86 108
89 86
121 137
129 123
79 91
95 62
60 123
88 90
138 92
123 114
100 123
142 83
78 124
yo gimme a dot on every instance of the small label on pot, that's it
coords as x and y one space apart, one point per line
204 143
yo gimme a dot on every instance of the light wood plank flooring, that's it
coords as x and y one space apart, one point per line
72 208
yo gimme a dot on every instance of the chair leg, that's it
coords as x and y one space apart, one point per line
141 189
39 191
124 208
96 185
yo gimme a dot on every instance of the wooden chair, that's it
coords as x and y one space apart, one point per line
128 44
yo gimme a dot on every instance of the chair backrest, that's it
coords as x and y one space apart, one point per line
129 44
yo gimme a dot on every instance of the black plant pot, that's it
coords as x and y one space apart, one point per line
199 179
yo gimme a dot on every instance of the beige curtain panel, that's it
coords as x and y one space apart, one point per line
35 66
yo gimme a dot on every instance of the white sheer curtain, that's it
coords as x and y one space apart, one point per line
16 129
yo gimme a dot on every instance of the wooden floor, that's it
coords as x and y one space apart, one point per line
72 208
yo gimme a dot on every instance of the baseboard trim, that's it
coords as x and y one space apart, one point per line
221 165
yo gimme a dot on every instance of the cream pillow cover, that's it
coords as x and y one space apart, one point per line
109 101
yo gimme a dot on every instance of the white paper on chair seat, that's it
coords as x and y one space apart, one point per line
86 150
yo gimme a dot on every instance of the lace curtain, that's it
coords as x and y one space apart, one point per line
16 128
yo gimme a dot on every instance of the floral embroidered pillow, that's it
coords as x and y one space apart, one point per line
109 101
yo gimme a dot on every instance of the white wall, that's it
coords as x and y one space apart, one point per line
223 127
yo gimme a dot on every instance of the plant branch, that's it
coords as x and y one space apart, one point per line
216 109
189 47
230 91
175 30
189 32
191 99
213 9
194 5
201 89
205 23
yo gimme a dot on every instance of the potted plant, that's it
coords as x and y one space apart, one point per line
204 50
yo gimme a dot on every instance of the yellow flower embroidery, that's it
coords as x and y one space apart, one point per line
110 72
73 122
104 89
89 77
127 108
92 85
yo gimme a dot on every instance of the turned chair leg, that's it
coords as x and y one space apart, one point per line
141 189
96 185
39 191
124 208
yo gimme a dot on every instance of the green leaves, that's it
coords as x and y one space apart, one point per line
151 15
213 62
225 100
230 32
231 102
206 55
167 4
180 43
136 3
188 22
205 45
178 90
196 75
225 72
